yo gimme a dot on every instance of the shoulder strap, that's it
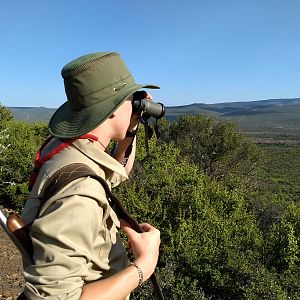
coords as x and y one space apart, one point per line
74 171
69 173
39 160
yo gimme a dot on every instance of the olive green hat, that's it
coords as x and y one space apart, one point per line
96 85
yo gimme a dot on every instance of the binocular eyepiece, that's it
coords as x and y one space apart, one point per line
146 107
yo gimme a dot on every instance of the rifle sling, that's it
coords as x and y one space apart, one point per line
74 171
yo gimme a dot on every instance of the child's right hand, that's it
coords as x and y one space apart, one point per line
144 246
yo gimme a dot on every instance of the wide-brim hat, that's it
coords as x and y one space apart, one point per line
96 85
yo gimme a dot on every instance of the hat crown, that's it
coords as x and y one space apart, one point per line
94 78
81 63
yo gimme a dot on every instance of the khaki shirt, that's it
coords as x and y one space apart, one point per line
75 235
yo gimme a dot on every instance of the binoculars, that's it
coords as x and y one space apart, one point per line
146 107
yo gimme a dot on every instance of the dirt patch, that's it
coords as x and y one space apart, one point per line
12 282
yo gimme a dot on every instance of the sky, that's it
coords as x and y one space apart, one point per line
197 51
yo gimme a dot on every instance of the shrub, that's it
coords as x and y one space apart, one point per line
19 142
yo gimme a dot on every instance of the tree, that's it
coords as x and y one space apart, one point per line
19 142
212 245
208 236
5 114
217 147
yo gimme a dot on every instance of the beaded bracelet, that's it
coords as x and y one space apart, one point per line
140 272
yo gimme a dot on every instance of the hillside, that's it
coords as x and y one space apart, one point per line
32 114
274 118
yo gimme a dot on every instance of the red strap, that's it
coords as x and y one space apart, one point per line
38 161
38 154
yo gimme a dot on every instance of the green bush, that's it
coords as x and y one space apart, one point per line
205 227
216 146
19 142
210 238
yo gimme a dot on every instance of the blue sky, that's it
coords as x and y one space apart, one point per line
204 51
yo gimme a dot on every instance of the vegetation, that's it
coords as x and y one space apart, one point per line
225 233
228 209
19 142
282 172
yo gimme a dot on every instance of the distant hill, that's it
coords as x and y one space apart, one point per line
32 114
280 117
229 109
273 116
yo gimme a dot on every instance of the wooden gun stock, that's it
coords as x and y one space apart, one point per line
17 227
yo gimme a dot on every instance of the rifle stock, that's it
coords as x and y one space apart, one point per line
19 235
17 227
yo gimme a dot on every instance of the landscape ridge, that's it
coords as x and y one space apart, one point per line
279 117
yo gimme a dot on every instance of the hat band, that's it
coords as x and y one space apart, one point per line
78 102
100 95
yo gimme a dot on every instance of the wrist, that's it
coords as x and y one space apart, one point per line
147 269
139 272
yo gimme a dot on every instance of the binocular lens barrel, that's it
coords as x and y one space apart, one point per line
149 108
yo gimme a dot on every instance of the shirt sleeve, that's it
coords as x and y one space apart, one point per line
63 239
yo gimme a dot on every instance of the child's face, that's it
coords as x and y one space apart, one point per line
123 114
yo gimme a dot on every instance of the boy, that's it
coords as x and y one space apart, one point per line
77 250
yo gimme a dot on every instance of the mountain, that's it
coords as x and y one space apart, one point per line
273 116
229 109
32 114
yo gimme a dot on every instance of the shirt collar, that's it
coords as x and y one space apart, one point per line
88 148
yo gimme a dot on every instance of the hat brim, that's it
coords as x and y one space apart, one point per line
67 123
